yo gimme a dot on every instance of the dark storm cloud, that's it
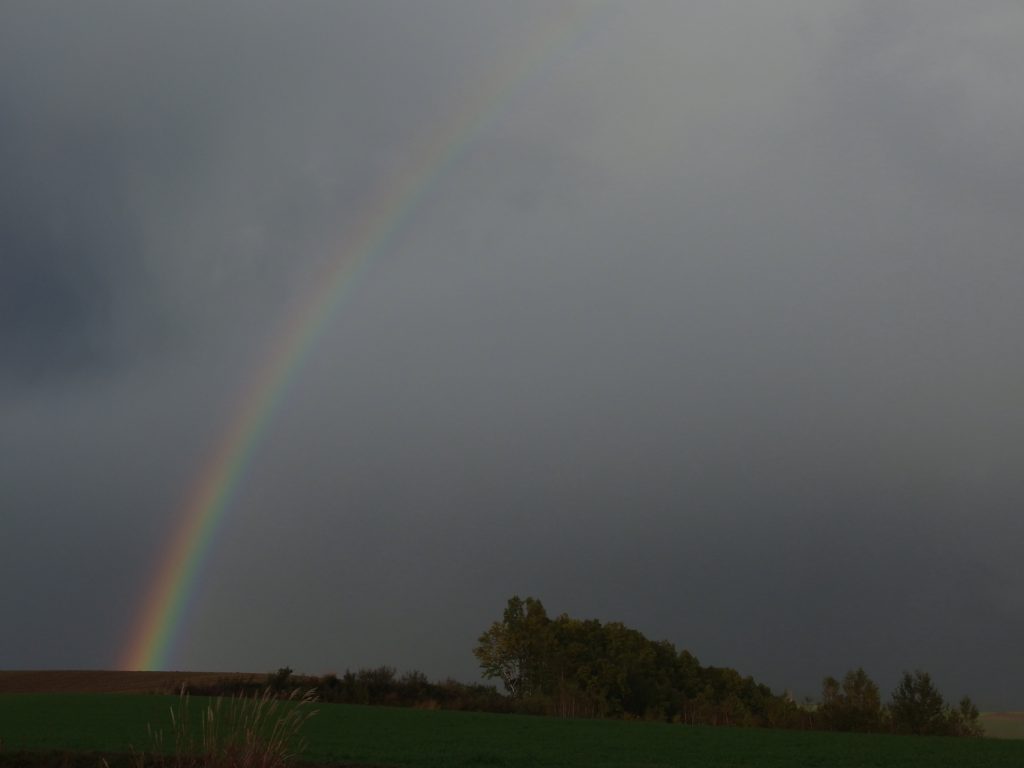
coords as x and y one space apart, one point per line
710 329
191 147
64 243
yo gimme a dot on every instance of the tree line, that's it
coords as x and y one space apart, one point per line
585 668
569 667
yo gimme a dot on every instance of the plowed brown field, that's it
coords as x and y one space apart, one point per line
1004 725
93 681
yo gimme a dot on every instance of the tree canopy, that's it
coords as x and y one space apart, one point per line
585 668
573 667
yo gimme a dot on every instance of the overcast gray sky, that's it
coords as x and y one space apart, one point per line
714 327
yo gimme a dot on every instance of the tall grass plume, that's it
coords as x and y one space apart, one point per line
259 731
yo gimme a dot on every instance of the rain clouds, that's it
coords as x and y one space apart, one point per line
712 327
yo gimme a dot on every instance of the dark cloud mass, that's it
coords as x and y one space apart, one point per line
711 327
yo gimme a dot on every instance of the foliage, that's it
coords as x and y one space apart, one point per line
584 668
853 705
513 649
917 706
965 720
279 681
382 686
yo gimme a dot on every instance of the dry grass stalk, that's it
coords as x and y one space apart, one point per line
261 731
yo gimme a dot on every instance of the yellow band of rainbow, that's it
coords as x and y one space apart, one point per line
162 617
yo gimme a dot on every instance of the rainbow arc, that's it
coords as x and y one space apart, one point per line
177 579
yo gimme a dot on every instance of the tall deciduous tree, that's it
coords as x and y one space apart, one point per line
497 659
917 706
853 705
514 649
964 721
862 702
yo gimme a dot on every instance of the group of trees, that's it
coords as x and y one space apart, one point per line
584 668
916 706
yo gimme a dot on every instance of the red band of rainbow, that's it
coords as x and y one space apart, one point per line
177 580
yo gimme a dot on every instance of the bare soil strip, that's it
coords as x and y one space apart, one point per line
97 681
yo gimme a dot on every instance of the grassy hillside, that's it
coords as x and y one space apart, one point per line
405 737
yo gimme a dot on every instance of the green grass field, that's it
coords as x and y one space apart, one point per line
406 737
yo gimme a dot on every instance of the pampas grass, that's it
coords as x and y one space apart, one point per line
261 731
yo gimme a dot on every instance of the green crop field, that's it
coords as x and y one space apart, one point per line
407 737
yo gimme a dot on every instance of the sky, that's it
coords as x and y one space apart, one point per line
709 324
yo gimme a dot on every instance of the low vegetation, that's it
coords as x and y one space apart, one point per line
262 731
379 686
104 726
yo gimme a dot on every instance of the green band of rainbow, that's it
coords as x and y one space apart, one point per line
177 580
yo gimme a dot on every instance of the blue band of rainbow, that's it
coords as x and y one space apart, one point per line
178 579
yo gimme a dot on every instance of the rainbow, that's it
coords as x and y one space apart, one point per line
178 578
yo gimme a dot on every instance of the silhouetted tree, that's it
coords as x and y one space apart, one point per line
963 721
917 706
513 649
853 705
280 679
